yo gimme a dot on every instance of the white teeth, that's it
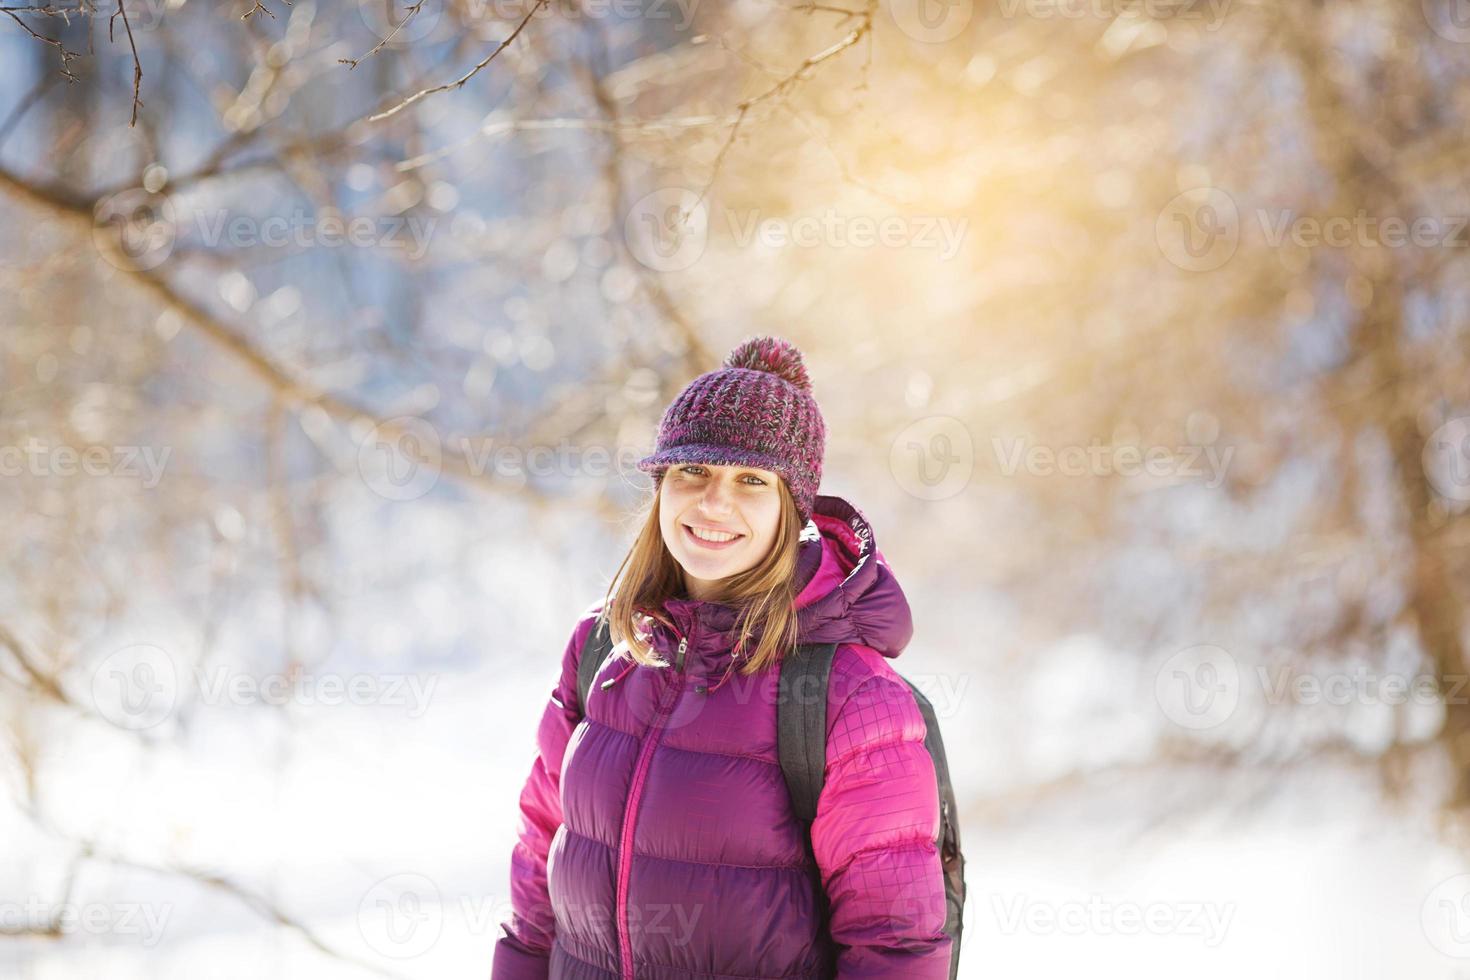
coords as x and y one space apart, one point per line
713 536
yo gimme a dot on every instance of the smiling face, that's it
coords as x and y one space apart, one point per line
699 503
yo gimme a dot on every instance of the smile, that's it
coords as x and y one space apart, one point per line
711 539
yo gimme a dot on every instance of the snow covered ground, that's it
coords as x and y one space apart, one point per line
382 822
388 836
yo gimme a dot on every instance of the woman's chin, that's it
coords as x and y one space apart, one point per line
711 568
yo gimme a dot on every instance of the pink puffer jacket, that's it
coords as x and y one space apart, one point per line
657 839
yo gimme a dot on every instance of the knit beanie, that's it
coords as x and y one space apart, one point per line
756 410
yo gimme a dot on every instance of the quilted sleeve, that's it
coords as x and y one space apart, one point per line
524 952
873 837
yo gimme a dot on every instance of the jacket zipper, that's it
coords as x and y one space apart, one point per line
635 791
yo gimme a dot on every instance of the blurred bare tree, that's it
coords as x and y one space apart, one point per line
1227 236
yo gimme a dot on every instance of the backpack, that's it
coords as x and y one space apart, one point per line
802 745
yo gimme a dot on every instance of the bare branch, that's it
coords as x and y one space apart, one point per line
782 87
253 900
411 11
42 681
293 389
697 355
459 82
262 8
256 902
53 929
137 65
66 55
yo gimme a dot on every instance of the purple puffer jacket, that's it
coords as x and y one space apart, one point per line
657 838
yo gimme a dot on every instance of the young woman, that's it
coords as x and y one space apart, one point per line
657 837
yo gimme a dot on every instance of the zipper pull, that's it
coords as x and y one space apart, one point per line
679 660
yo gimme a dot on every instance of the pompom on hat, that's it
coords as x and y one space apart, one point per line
756 410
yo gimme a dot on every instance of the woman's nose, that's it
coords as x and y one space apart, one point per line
716 498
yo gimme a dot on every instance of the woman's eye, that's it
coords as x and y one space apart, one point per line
689 469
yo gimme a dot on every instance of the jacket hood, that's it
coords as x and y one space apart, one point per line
848 594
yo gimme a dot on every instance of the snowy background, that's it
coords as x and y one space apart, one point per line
1140 334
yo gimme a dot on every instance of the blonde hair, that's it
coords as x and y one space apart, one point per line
763 595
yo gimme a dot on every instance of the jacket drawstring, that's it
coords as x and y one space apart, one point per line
619 676
726 676
607 684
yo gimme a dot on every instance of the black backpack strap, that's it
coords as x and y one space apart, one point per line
951 858
801 743
801 720
594 651
801 724
935 744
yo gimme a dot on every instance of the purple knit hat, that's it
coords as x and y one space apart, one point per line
756 410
